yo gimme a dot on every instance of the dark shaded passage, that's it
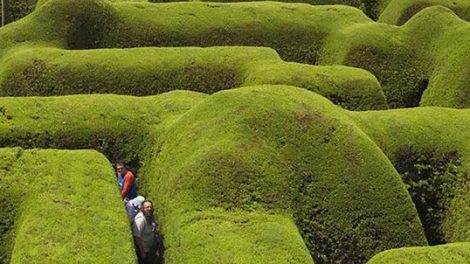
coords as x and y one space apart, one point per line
7 221
431 178
415 98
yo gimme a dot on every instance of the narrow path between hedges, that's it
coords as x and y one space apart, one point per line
133 206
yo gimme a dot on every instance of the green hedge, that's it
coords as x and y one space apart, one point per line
427 145
282 151
458 253
67 208
283 154
371 8
382 50
131 126
8 203
142 71
20 8
146 71
295 31
423 62
220 236
117 126
348 87
33 69
399 12
296 37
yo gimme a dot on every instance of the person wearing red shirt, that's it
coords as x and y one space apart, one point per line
126 181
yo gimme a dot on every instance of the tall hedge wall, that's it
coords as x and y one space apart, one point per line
66 208
117 126
282 151
147 71
458 253
421 63
408 60
285 161
268 173
399 12
427 146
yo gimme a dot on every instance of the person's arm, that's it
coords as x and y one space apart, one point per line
137 230
140 243
128 180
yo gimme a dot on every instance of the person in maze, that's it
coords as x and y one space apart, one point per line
144 230
126 181
133 207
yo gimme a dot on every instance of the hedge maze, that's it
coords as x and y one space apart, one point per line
265 132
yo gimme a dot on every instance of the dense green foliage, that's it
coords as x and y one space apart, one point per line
282 151
420 63
399 12
370 7
19 8
425 145
413 63
454 253
62 215
373 8
101 24
146 71
264 173
432 179
8 204
91 117
287 182
115 125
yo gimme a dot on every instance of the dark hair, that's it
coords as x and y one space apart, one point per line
121 163
147 201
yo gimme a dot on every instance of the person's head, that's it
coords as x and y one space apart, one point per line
120 167
147 208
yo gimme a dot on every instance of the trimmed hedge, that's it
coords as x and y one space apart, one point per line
67 208
422 63
146 71
79 121
244 175
36 70
432 179
348 87
19 8
427 147
117 126
8 203
295 31
399 12
455 253
220 236
282 151
371 8
141 71
382 50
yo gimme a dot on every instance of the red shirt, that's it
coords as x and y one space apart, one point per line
128 181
